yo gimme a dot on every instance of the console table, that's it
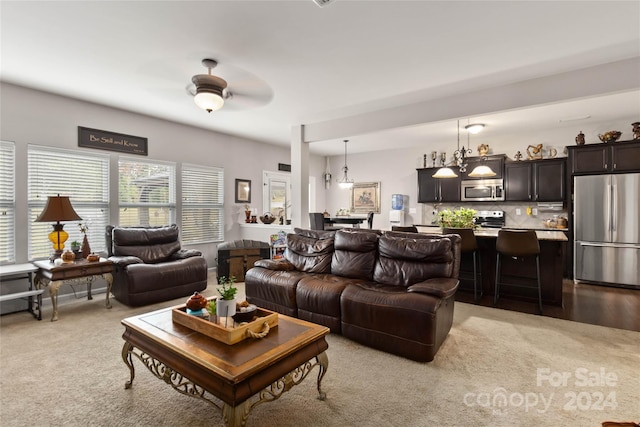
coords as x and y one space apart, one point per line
53 276
21 272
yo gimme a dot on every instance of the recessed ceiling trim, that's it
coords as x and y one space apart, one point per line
323 3
574 119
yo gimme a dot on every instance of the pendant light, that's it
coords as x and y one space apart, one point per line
345 182
459 155
481 171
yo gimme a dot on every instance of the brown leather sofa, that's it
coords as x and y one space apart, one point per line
392 291
150 266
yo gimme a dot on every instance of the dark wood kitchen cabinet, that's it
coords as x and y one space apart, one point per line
591 159
535 180
432 189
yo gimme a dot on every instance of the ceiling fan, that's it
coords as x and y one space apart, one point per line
211 92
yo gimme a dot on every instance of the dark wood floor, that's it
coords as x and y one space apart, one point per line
597 305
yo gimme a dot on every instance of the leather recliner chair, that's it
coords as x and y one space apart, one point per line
150 266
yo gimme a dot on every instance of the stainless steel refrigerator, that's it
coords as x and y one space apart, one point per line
607 229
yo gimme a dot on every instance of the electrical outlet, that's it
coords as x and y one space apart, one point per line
518 211
535 211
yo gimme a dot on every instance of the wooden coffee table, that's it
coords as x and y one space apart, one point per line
234 378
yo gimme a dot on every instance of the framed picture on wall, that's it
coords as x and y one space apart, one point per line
243 191
365 197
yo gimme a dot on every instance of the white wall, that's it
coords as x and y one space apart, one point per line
34 117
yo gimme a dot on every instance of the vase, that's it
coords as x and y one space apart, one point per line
86 249
247 214
226 307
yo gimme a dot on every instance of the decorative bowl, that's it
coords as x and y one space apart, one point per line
245 314
93 257
267 218
611 136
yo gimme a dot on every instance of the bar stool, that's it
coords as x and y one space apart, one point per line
469 245
517 244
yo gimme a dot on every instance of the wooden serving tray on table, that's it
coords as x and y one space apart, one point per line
228 335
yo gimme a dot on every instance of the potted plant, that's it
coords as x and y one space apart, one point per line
458 218
211 308
226 306
75 246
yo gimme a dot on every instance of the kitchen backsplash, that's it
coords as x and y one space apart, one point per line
512 219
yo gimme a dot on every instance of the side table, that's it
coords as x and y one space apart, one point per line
18 272
53 276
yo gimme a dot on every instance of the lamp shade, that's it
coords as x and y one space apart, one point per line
445 173
482 171
208 101
58 208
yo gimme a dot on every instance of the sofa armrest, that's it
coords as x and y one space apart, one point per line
123 261
275 264
185 253
441 287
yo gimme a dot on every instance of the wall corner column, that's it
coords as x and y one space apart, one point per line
299 178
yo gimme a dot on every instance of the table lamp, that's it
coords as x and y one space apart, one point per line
58 208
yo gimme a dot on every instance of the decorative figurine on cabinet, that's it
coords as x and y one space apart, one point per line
534 152
483 149
636 130
518 156
580 138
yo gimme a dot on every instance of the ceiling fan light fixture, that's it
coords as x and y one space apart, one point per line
208 101
209 89
482 171
474 128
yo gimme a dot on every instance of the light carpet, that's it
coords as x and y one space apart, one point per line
496 368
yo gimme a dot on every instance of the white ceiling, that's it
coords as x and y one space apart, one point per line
304 64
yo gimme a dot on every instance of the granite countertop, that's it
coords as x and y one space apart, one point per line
543 234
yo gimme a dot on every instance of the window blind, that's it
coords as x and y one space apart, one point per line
202 204
147 192
82 177
7 203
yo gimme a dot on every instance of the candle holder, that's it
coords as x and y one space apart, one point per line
434 157
443 159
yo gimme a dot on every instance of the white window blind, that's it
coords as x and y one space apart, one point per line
82 177
147 192
202 204
7 203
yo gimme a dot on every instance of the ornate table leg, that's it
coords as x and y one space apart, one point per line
54 286
109 279
89 284
128 360
323 361
236 416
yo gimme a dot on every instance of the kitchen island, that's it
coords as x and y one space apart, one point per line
521 273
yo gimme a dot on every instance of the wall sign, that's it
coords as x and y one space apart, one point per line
104 140
284 167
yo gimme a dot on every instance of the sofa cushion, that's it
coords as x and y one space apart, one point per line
403 261
355 254
310 254
150 244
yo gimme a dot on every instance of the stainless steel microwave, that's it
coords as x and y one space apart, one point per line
482 190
